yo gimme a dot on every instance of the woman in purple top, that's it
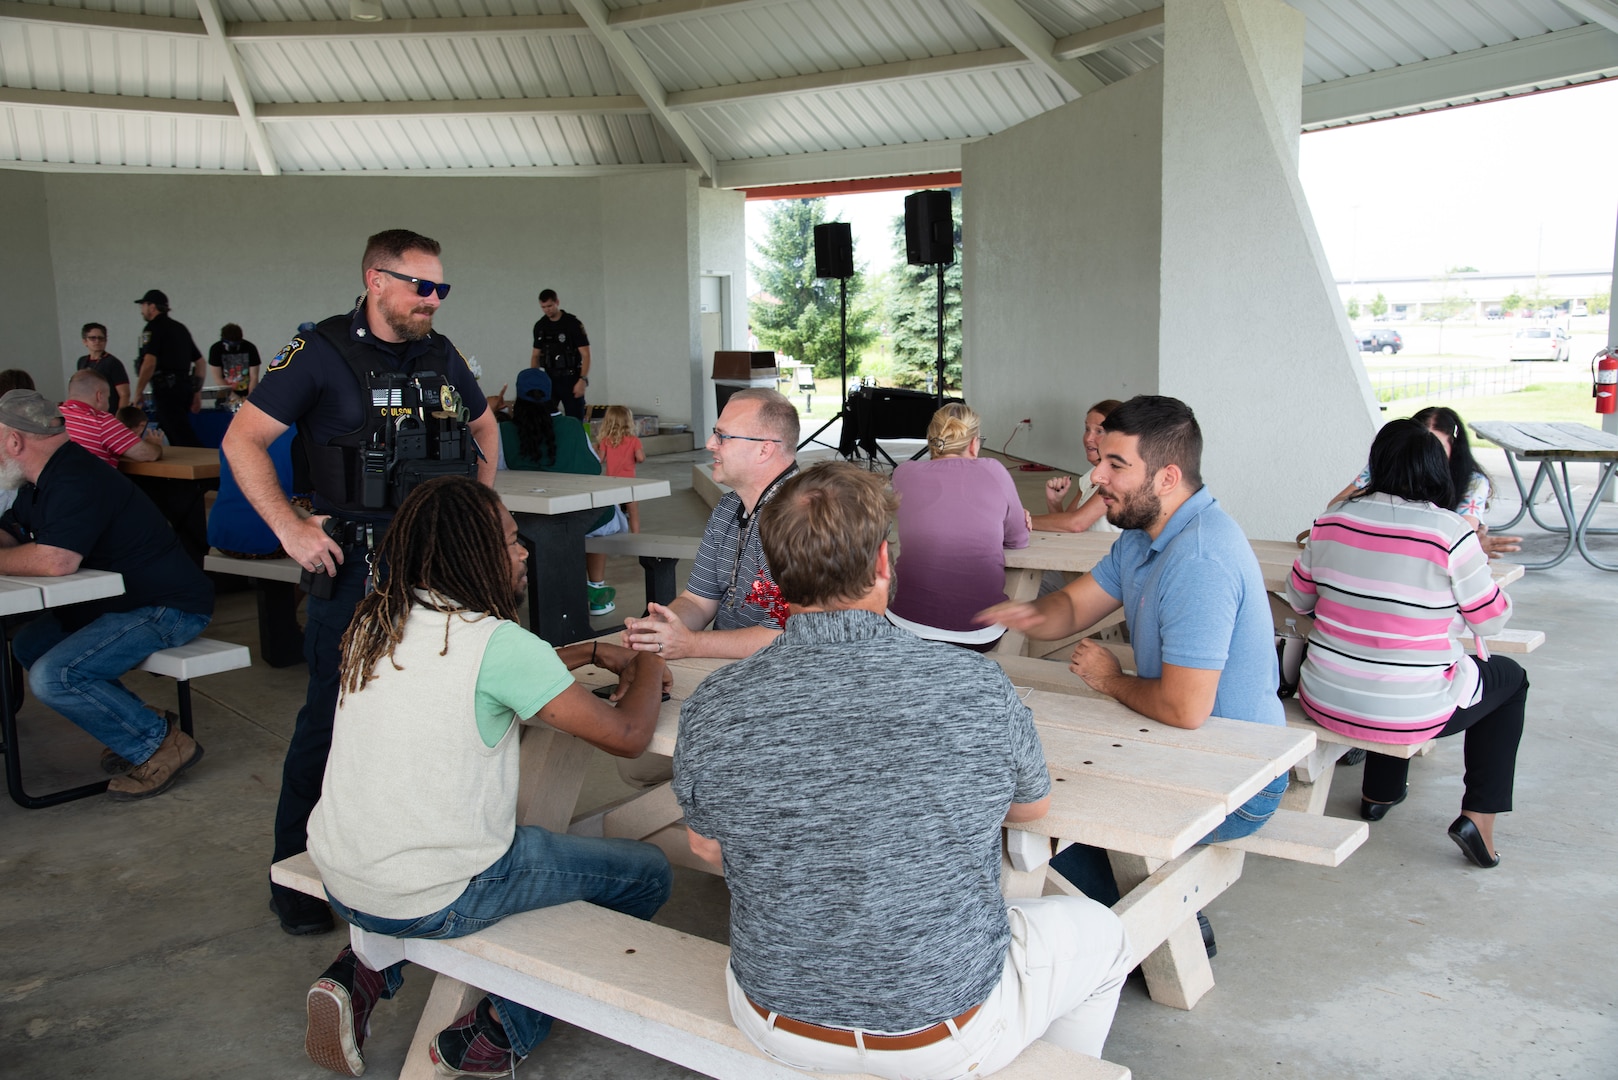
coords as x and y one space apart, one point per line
957 514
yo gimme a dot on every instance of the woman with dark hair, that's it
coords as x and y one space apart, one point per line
1393 579
1470 484
538 439
1085 512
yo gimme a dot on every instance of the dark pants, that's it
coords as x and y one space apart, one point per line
1493 729
562 383
305 766
173 408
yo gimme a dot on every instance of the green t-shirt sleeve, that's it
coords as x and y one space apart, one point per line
519 676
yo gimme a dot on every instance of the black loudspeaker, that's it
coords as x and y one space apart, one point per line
834 250
929 229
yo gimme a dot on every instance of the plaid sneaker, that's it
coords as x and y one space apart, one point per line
475 1045
601 599
340 1004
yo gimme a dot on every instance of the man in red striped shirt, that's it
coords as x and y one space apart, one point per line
91 426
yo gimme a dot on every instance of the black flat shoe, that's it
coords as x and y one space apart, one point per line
1376 811
1470 841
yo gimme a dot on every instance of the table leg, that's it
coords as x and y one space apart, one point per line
551 776
558 607
1564 502
8 743
1584 529
1159 912
1525 496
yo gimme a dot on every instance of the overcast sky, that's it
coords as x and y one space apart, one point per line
1529 183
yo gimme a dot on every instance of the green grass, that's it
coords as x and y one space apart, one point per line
1568 403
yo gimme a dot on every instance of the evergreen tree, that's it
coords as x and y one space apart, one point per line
913 311
798 314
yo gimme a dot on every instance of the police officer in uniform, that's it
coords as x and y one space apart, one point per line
316 383
562 350
171 362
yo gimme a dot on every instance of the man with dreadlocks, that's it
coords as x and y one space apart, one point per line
415 833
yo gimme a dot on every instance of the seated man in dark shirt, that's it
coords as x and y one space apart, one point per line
73 512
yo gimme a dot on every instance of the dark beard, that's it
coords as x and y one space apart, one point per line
399 323
1137 512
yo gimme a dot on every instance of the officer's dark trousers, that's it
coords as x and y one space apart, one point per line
305 765
173 407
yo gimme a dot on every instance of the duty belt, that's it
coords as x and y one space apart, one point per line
353 533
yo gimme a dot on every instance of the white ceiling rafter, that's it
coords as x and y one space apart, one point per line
1583 52
101 20
116 103
1106 36
1603 13
1013 22
263 33
664 11
236 82
830 165
275 113
633 66
875 75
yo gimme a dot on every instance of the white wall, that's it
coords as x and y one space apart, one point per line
270 253
1060 248
1252 335
26 270
721 250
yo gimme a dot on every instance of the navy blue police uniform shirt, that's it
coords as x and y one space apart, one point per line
559 342
81 505
308 383
171 343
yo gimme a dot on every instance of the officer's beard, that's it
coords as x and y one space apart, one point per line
411 324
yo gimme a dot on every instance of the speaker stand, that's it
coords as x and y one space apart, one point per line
842 413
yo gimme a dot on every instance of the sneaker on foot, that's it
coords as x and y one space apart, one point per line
601 599
300 913
157 773
339 1005
115 764
472 1046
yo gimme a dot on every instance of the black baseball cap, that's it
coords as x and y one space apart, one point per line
155 296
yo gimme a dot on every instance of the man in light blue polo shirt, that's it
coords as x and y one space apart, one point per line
1199 619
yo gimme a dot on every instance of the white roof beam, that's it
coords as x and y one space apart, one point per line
929 157
347 30
101 20
236 82
633 66
959 64
1603 13
270 113
670 10
117 103
1582 52
1012 22
1121 32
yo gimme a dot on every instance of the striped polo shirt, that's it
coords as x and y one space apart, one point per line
99 432
1393 585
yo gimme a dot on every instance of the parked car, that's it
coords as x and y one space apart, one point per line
1383 341
1541 343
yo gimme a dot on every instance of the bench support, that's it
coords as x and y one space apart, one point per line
661 584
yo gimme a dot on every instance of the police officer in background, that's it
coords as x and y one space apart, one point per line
562 350
316 382
171 362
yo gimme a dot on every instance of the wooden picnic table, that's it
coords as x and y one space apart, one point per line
1553 446
554 511
177 463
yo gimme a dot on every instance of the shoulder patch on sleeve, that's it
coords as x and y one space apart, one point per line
288 351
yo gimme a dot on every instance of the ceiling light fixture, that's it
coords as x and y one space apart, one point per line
365 10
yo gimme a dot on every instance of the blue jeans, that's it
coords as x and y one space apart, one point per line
1088 868
77 674
541 869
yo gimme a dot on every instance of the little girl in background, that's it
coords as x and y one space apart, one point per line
621 452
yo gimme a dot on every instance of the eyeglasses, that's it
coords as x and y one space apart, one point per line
423 286
723 438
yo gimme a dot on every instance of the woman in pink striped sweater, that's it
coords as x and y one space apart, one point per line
1394 579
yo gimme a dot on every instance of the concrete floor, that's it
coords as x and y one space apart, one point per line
137 942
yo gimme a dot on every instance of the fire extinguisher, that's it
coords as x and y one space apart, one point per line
1604 371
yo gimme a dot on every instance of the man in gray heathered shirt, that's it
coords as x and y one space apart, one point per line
852 779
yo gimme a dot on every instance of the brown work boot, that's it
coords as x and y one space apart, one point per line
113 763
154 775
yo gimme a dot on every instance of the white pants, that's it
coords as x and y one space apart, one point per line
1068 960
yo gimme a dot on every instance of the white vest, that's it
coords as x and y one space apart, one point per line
413 805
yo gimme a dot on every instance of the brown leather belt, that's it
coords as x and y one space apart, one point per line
844 1037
